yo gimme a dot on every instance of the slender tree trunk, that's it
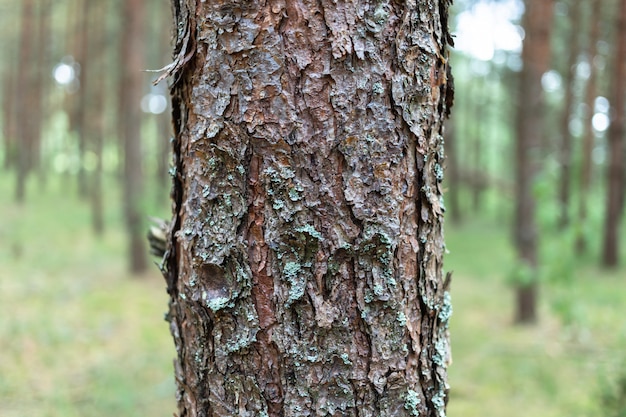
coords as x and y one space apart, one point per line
82 122
588 138
24 98
96 113
615 171
72 100
568 106
478 117
40 86
130 116
305 257
164 127
452 168
9 110
536 58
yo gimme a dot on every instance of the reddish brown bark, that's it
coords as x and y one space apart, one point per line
615 170
536 59
304 262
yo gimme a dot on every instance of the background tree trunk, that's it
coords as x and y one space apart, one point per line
24 98
615 171
452 169
97 112
130 117
565 157
42 85
164 120
536 59
477 164
305 260
588 138
83 122
9 110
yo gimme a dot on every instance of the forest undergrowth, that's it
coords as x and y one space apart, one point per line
79 336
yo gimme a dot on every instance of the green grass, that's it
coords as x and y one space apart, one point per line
555 368
80 337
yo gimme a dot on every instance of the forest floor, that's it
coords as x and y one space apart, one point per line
80 337
562 366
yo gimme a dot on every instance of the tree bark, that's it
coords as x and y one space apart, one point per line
615 171
305 255
536 59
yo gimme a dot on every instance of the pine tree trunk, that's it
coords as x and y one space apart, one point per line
82 117
588 138
574 17
615 171
305 256
130 117
9 110
24 98
97 112
536 59
452 168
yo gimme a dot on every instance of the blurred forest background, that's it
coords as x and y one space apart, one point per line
535 196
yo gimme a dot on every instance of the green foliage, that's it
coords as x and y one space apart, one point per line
522 274
613 396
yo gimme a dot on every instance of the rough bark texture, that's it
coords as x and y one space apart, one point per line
305 256
615 172
536 58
